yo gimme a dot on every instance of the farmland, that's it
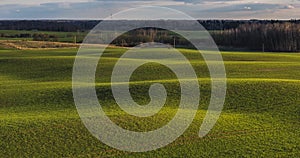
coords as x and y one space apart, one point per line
38 118
51 35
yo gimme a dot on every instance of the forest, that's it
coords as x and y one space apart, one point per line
265 37
271 37
253 35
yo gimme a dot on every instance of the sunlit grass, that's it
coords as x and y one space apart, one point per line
38 117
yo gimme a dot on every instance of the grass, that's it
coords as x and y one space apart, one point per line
61 36
38 117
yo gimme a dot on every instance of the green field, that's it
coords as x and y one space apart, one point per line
38 118
60 36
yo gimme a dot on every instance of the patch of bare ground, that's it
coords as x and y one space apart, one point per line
25 45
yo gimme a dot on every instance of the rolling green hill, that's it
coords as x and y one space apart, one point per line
38 118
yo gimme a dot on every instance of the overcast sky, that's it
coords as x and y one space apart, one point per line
99 9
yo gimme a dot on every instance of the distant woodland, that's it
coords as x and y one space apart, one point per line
256 35
266 37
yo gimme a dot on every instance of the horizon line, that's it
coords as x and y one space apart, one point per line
95 19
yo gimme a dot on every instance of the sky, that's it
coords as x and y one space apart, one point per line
100 9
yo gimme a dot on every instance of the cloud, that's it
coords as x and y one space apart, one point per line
289 7
39 2
247 8
243 7
99 9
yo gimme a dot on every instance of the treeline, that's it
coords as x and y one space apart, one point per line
139 36
273 37
49 25
263 37
257 35
45 37
85 25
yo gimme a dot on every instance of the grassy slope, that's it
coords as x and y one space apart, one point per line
260 118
